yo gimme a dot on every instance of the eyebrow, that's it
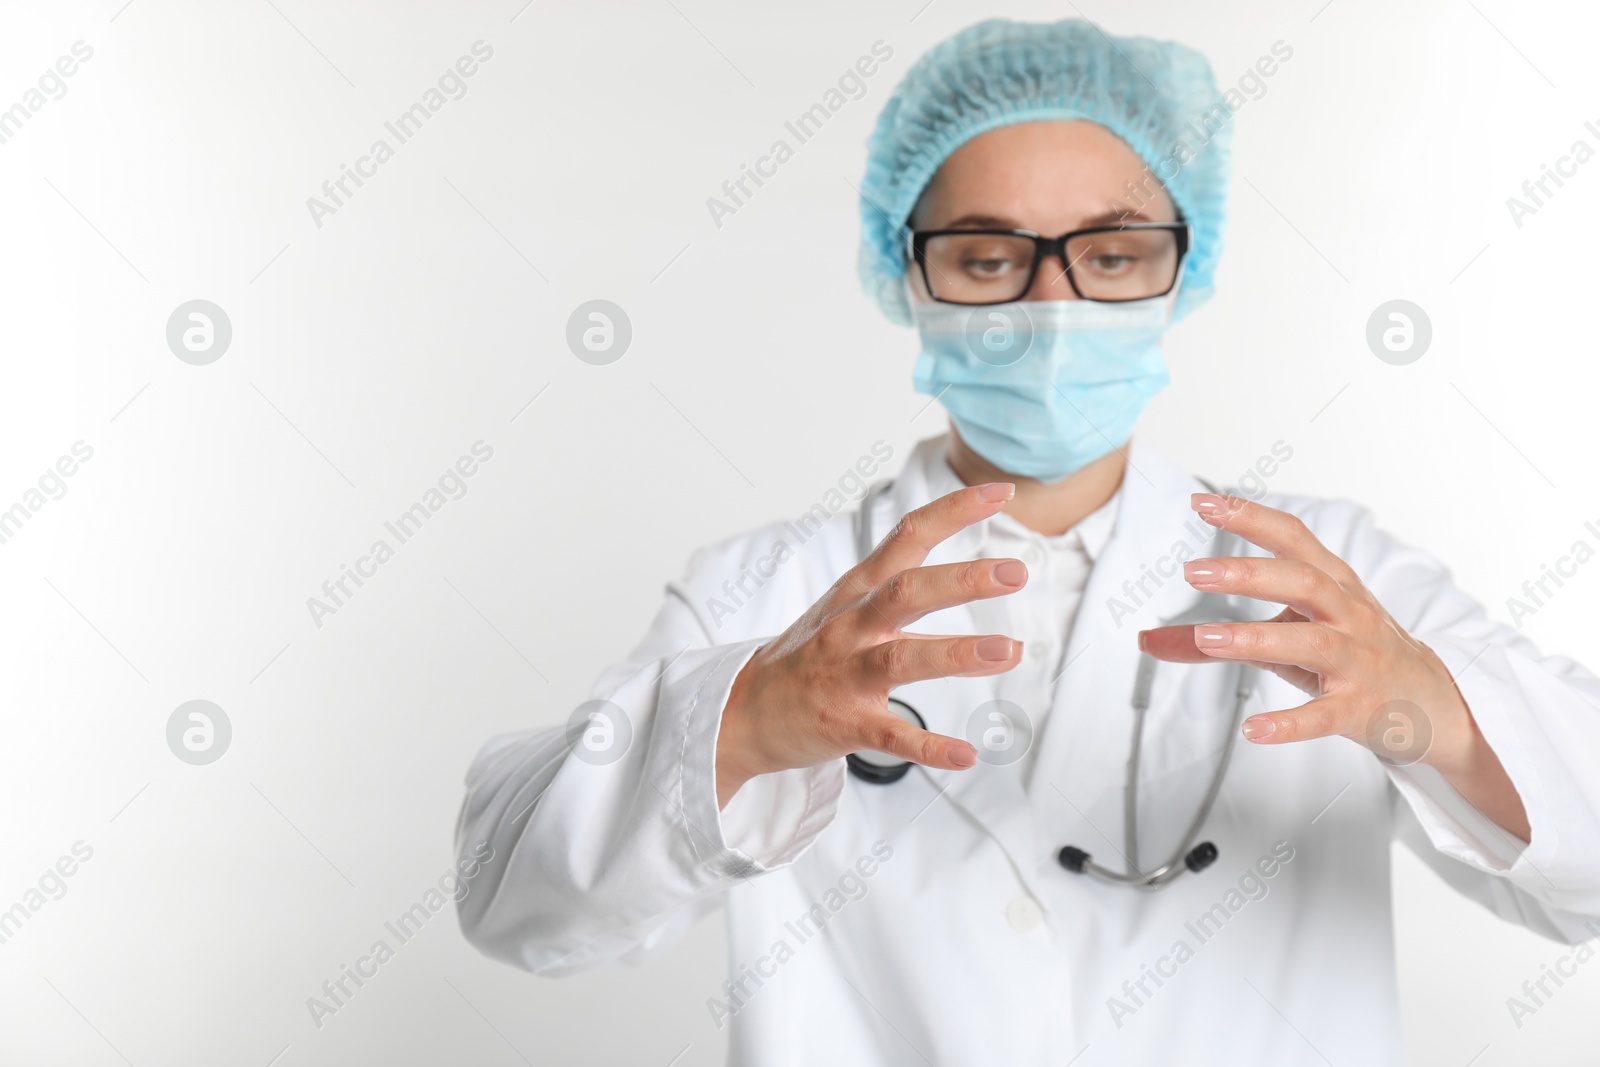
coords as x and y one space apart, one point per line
1109 218
993 221
1118 217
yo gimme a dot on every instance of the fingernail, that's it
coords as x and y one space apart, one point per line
1202 571
1213 636
996 491
1141 640
995 649
963 756
1258 729
1212 508
1010 573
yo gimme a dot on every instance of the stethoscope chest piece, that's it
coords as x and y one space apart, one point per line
881 768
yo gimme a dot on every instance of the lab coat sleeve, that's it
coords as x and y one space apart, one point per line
1541 716
590 861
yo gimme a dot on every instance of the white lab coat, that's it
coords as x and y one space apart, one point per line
928 921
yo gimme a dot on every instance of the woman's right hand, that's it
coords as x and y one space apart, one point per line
821 689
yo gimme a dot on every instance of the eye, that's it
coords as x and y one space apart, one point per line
1112 262
975 267
992 267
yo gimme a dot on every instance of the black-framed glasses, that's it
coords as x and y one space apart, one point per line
1111 264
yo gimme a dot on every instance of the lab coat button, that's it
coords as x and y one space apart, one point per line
1024 914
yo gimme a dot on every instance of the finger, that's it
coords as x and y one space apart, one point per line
1311 645
908 596
1304 587
1323 717
1282 534
917 658
1176 644
890 733
920 531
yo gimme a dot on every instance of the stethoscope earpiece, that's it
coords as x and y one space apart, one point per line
1196 859
1201 856
1072 859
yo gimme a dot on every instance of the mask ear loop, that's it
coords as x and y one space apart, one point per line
1177 287
1183 266
913 270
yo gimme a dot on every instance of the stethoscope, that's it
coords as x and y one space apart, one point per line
879 768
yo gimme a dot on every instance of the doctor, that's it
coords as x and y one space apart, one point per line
1041 201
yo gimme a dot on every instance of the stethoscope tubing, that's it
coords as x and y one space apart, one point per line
1188 856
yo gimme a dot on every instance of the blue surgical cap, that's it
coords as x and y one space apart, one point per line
1157 96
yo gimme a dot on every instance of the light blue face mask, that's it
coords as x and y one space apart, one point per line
1042 388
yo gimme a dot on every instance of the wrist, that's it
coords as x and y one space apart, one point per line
1467 761
1457 744
734 762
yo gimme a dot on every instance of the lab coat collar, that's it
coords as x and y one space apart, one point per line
1127 591
1091 533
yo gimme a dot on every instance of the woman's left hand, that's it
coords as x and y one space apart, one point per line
1371 681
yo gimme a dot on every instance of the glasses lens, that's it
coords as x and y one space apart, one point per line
1124 264
978 268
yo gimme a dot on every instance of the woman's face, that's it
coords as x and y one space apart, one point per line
1048 177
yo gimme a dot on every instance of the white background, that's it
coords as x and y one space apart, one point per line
369 353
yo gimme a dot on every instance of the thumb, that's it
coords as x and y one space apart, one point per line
1175 644
896 737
